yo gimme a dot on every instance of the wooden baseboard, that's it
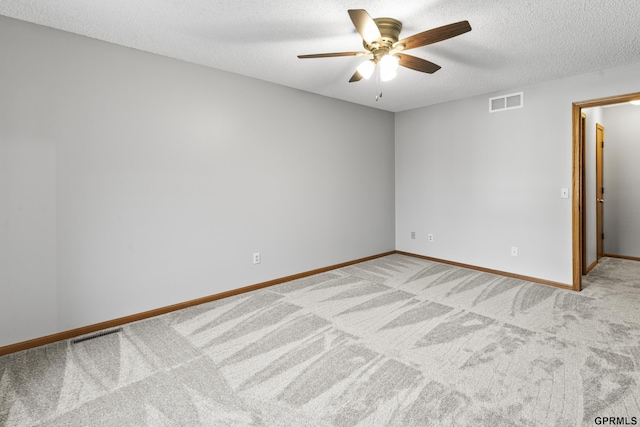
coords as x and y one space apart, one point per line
37 342
488 270
632 258
591 267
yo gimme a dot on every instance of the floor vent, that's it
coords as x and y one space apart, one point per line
506 102
98 335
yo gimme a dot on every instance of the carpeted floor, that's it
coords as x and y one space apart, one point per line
396 341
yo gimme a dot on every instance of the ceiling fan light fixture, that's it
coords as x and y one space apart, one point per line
388 67
635 102
366 68
389 62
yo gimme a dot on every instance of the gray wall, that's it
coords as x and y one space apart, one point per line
130 181
622 181
483 182
28 291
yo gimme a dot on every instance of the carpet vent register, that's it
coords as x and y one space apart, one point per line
96 335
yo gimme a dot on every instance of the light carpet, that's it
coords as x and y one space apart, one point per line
396 341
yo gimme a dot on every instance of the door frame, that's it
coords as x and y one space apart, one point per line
599 191
577 205
583 188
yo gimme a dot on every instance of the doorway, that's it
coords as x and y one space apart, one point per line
578 201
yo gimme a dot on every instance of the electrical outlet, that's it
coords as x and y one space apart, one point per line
256 258
430 237
514 251
413 234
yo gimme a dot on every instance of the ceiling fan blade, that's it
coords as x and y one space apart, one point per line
330 55
356 77
365 25
434 35
417 64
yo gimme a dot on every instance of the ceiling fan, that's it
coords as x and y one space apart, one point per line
380 40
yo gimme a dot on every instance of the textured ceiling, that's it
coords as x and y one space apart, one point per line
512 43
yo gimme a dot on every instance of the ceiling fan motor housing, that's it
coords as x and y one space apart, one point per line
390 30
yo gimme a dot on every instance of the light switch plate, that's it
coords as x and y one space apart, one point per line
564 193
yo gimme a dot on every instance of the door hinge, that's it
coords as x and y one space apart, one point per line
602 236
602 190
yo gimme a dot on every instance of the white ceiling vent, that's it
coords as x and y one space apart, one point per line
506 102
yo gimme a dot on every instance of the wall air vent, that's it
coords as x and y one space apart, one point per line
506 102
